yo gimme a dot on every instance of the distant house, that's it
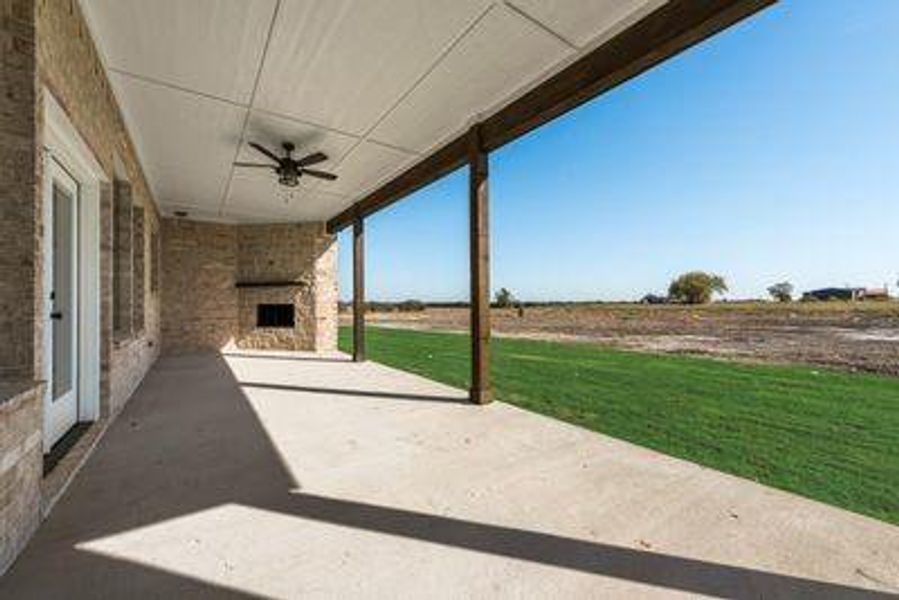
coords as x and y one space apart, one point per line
847 293
654 299
876 294
833 293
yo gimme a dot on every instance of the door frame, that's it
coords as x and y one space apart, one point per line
63 144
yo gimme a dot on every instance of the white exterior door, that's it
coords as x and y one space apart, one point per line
61 402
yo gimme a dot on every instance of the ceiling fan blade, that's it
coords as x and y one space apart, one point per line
265 151
319 174
258 165
312 159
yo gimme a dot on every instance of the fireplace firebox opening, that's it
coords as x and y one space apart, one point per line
275 315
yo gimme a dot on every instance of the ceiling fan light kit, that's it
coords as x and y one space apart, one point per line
287 168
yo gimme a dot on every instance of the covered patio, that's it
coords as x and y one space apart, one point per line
280 475
180 421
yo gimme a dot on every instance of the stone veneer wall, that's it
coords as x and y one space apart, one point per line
46 45
204 310
20 468
326 294
286 252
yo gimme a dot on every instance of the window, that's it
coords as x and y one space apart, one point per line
138 261
128 263
122 268
155 257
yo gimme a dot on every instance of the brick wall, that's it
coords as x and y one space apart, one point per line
70 68
199 301
18 155
45 45
204 310
20 400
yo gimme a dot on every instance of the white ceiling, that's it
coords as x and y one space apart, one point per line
374 84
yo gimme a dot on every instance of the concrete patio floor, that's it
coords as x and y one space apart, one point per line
287 475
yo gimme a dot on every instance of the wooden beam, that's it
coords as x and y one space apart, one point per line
479 234
675 26
672 28
358 290
442 162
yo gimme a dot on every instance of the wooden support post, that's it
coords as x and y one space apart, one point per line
358 290
479 234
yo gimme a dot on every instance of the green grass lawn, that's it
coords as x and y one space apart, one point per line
827 435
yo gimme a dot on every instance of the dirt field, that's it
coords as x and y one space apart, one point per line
854 336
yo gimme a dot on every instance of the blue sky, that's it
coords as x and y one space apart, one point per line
768 153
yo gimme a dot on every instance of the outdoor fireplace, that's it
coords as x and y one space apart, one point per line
275 315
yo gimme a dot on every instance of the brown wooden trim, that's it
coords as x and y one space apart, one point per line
442 162
358 290
479 234
672 28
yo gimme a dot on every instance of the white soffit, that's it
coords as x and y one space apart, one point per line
375 84
299 205
367 166
585 23
344 63
187 141
209 46
498 57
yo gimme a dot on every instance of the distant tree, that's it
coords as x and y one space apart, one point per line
782 292
696 287
504 298
411 306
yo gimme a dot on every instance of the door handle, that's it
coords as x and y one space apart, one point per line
56 315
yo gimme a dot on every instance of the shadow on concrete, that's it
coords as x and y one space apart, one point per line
357 393
189 441
672 572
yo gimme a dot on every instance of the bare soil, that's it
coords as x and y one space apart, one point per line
853 336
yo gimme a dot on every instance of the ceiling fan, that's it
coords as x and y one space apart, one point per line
289 169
